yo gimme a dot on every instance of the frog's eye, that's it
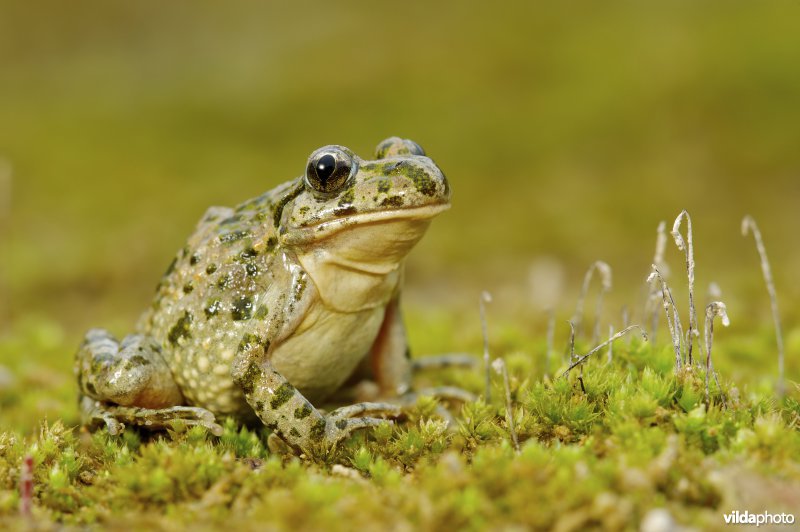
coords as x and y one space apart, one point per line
329 169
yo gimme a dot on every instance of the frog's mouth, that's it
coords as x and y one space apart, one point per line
299 236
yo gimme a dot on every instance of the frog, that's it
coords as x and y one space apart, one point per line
276 305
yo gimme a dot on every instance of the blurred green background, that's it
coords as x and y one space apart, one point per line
568 131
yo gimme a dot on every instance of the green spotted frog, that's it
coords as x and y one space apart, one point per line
277 304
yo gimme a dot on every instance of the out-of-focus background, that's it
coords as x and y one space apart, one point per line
568 131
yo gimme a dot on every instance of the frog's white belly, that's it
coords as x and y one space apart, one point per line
326 348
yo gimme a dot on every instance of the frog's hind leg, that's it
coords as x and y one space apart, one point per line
115 417
129 382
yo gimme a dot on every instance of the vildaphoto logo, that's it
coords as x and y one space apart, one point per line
764 518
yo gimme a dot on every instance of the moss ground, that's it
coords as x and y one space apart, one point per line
639 437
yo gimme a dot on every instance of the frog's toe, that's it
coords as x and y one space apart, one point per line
339 429
193 416
358 409
115 417
93 414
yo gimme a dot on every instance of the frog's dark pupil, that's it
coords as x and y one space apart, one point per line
327 172
325 167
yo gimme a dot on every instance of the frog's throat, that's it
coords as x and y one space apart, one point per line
314 233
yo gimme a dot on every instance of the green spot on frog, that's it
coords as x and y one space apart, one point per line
317 431
392 201
285 392
345 205
294 432
139 360
180 329
251 341
302 412
212 307
225 281
422 181
248 253
261 312
384 185
242 308
233 236
194 259
247 381
211 268
187 288
251 270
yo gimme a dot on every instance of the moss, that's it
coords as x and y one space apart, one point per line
593 459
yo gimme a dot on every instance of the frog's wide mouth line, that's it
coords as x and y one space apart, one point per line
325 229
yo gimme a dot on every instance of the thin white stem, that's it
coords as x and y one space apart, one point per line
500 367
674 321
749 223
687 247
579 361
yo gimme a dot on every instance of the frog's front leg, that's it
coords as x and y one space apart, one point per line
283 409
128 382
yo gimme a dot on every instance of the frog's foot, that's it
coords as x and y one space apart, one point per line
356 410
115 417
450 360
340 423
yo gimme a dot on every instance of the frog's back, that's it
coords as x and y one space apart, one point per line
215 292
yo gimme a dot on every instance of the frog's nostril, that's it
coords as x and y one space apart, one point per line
394 166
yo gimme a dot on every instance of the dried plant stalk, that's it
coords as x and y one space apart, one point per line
611 344
714 309
486 297
26 486
572 356
580 360
605 278
748 223
674 321
500 367
688 249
